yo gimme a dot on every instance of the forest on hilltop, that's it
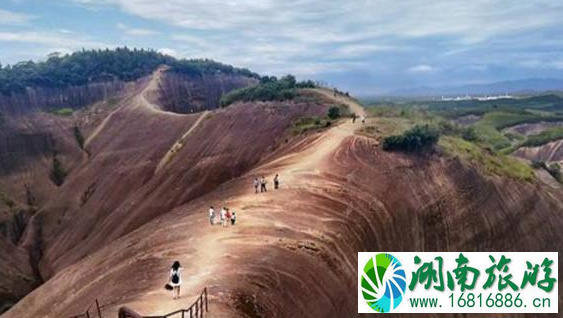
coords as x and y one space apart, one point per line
90 66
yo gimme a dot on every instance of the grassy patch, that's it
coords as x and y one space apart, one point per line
489 127
306 124
65 112
7 201
58 173
417 139
491 163
269 89
543 137
78 136
387 126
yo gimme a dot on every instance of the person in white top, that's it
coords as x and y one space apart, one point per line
223 216
212 215
176 279
234 218
256 184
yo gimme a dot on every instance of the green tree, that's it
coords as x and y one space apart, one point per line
417 139
333 112
58 173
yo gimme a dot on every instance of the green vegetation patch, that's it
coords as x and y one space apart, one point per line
65 112
543 137
269 89
58 173
89 66
334 112
554 169
307 124
490 126
491 163
78 136
417 139
7 201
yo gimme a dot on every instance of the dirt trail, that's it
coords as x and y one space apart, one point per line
101 126
207 265
140 101
180 143
211 256
355 107
152 86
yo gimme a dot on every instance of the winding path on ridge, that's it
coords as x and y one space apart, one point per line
215 245
180 143
140 100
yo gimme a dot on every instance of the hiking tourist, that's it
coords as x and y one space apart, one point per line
263 185
256 184
277 181
176 279
211 215
354 117
222 216
234 218
227 218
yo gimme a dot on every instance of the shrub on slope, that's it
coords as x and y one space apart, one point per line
416 139
269 89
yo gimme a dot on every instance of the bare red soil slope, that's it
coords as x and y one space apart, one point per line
550 152
293 251
123 133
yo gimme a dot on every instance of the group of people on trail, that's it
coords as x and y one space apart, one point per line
262 182
354 116
226 217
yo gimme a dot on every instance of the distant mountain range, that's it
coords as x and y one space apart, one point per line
529 85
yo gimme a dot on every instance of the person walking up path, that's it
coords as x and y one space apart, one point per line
212 215
256 184
176 279
227 217
222 216
234 218
277 182
263 185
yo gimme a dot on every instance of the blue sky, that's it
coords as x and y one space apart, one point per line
365 46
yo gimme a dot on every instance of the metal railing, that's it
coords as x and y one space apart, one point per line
93 311
196 310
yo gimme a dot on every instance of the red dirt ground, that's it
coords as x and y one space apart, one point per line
293 251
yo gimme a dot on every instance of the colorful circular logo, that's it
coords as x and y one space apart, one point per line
383 283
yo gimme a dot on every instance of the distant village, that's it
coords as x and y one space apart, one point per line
475 97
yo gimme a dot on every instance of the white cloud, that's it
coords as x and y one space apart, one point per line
168 51
135 31
558 64
62 40
317 20
11 18
253 33
542 63
422 68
